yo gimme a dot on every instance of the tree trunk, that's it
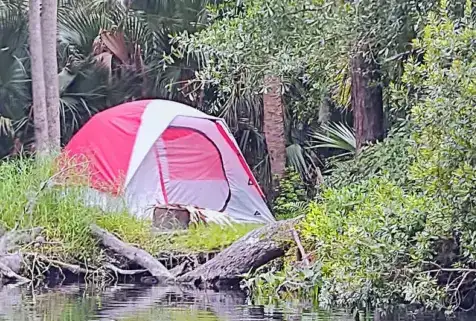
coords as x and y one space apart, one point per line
246 254
49 27
367 102
325 112
273 125
37 78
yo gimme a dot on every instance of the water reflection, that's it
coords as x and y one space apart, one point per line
76 302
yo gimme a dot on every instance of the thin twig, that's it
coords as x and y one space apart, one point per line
450 270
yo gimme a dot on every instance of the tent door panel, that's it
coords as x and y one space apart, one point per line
192 169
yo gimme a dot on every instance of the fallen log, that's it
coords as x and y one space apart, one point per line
136 255
253 250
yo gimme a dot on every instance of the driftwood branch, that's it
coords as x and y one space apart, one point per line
247 254
8 273
117 270
73 268
132 253
300 247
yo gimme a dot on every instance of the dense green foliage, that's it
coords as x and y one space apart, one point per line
95 71
366 238
390 159
291 195
397 223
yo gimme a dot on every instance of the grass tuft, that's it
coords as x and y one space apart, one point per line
206 238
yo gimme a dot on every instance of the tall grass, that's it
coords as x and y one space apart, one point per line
28 199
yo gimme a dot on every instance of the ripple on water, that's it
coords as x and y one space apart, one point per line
129 302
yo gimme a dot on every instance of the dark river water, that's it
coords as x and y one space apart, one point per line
75 302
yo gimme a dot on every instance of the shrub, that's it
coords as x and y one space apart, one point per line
445 166
364 236
398 224
390 159
292 195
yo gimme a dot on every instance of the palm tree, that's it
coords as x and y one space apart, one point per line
37 77
49 31
273 125
367 101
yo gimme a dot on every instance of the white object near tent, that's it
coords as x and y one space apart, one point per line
146 152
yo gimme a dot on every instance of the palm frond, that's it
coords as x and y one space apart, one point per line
335 135
298 208
78 28
15 93
6 126
295 157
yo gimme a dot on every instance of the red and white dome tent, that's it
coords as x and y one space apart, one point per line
158 151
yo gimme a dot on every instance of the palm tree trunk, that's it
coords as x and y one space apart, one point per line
37 78
273 125
49 27
367 102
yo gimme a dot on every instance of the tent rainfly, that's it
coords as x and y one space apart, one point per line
149 152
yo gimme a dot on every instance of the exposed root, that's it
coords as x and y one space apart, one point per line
171 260
73 268
8 273
118 271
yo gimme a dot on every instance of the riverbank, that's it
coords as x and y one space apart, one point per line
363 244
48 234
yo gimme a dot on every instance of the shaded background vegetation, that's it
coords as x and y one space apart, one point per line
111 52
